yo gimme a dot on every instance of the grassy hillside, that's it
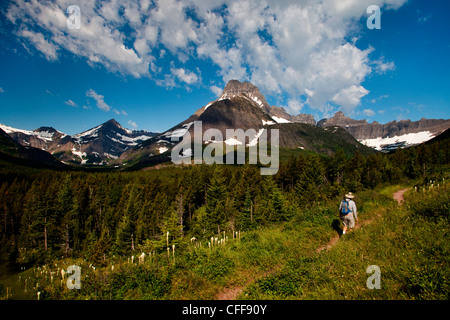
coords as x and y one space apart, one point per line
325 141
411 250
282 261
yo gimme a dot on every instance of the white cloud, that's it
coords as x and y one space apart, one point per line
99 99
185 76
294 106
176 29
37 39
98 40
1 90
70 103
132 124
425 18
369 112
287 48
349 97
216 90
382 67
384 96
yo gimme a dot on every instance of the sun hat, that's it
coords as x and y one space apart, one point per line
350 195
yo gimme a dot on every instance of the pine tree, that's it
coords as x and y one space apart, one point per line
66 211
245 220
172 224
309 187
215 201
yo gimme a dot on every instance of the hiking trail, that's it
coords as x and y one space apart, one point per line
231 293
398 196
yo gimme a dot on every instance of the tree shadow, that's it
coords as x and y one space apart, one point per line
337 226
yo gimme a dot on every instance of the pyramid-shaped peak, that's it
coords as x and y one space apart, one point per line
235 88
46 129
113 122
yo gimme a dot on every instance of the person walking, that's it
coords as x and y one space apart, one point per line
348 212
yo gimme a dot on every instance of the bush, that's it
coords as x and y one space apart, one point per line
427 283
432 204
141 283
212 266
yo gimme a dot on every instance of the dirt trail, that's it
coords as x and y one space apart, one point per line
399 195
333 241
233 292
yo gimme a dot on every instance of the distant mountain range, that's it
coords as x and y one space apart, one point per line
11 151
389 136
242 106
97 146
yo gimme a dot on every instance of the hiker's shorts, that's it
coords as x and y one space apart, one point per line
348 220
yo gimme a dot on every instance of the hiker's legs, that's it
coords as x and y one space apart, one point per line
351 221
348 222
345 223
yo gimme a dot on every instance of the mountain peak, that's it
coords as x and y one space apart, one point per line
114 122
339 119
247 89
46 129
236 87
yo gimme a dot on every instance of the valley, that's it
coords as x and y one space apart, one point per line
227 232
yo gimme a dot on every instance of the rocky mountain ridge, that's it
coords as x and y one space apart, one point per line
240 106
389 136
98 145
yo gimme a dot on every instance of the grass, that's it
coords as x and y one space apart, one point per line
411 251
282 262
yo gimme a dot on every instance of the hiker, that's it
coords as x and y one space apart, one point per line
347 210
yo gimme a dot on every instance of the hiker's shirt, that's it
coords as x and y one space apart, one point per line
352 207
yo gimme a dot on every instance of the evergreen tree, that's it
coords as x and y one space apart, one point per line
66 211
215 201
245 219
309 187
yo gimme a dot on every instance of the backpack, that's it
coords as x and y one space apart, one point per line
345 209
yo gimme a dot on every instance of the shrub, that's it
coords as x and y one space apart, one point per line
433 204
212 266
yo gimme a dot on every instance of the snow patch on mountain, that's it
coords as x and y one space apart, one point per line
162 149
280 120
254 142
178 133
269 123
406 140
78 153
108 155
232 142
259 102
43 135
92 133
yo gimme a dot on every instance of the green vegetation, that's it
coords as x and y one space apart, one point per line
411 251
256 234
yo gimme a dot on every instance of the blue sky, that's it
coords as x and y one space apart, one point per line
150 64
